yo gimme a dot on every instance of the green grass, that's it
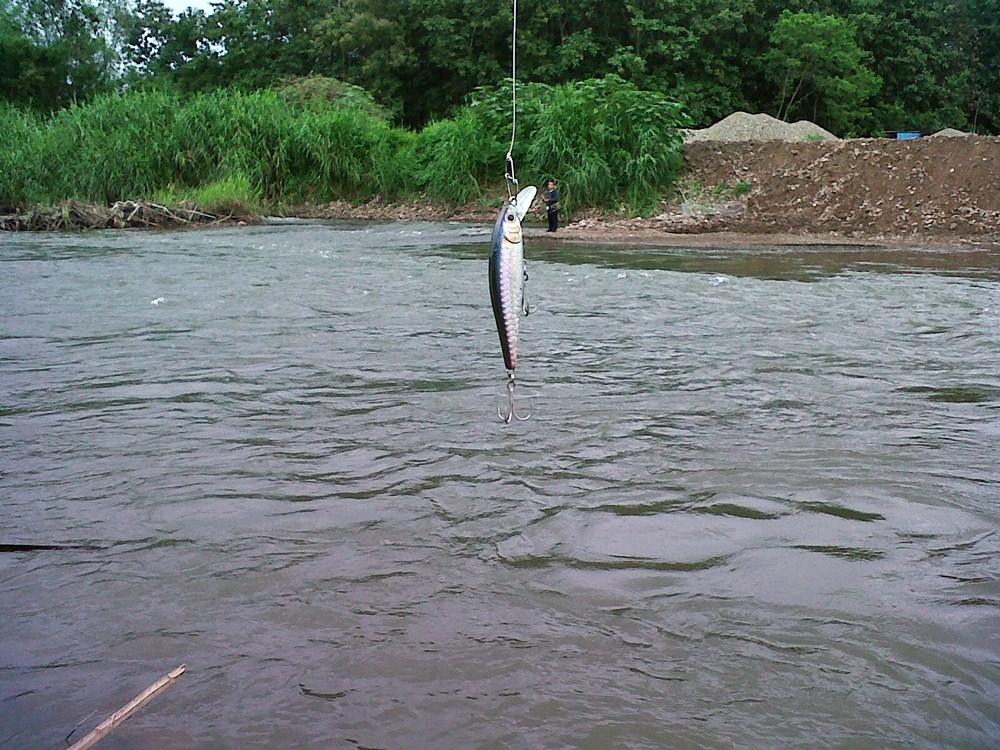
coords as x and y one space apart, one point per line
456 157
607 142
18 128
233 195
694 190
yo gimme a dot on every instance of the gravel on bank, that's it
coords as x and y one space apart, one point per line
743 126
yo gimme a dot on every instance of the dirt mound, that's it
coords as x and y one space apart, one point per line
950 133
742 126
931 186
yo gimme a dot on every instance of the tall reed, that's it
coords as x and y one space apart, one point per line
18 128
608 142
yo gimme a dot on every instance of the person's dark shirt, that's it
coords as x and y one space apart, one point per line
551 199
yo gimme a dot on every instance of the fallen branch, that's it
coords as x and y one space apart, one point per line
73 215
105 727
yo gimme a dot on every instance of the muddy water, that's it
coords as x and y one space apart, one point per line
756 505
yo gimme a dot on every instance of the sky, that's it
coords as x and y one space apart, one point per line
179 5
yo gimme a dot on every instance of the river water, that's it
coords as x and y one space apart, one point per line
756 505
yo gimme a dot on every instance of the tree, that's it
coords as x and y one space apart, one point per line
922 50
695 51
985 81
815 59
933 63
53 52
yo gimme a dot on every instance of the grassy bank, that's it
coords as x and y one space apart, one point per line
608 142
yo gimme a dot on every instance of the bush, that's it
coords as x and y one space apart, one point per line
233 195
134 145
321 92
457 157
18 127
608 142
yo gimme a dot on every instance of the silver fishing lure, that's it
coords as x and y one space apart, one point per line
507 276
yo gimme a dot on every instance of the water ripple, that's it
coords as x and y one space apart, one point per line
756 503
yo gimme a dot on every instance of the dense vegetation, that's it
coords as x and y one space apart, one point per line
122 98
610 140
854 66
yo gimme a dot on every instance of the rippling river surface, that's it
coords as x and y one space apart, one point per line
756 505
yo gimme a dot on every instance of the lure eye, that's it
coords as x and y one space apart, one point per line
510 217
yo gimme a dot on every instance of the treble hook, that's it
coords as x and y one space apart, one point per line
528 309
511 413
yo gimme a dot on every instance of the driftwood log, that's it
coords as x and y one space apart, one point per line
105 727
73 215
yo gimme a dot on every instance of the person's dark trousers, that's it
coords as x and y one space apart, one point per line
553 220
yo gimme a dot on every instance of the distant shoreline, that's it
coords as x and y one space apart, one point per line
595 228
732 240
932 192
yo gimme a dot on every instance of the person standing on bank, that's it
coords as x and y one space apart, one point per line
551 199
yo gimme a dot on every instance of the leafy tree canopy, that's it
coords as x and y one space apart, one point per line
819 70
850 65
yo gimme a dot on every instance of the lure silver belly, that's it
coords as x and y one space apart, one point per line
507 280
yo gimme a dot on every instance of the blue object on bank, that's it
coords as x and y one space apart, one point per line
908 135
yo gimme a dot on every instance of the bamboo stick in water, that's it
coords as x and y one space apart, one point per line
105 727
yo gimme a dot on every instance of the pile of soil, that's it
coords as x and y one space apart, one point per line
950 133
742 126
934 187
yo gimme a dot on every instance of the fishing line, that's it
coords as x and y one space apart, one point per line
507 251
509 174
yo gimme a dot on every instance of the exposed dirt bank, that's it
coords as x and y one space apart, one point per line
945 188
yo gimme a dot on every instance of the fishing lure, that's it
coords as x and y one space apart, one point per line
508 274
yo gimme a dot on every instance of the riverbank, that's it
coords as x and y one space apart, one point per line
595 229
933 191
78 216
608 229
727 240
939 188
938 192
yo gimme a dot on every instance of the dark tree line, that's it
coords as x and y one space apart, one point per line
854 66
